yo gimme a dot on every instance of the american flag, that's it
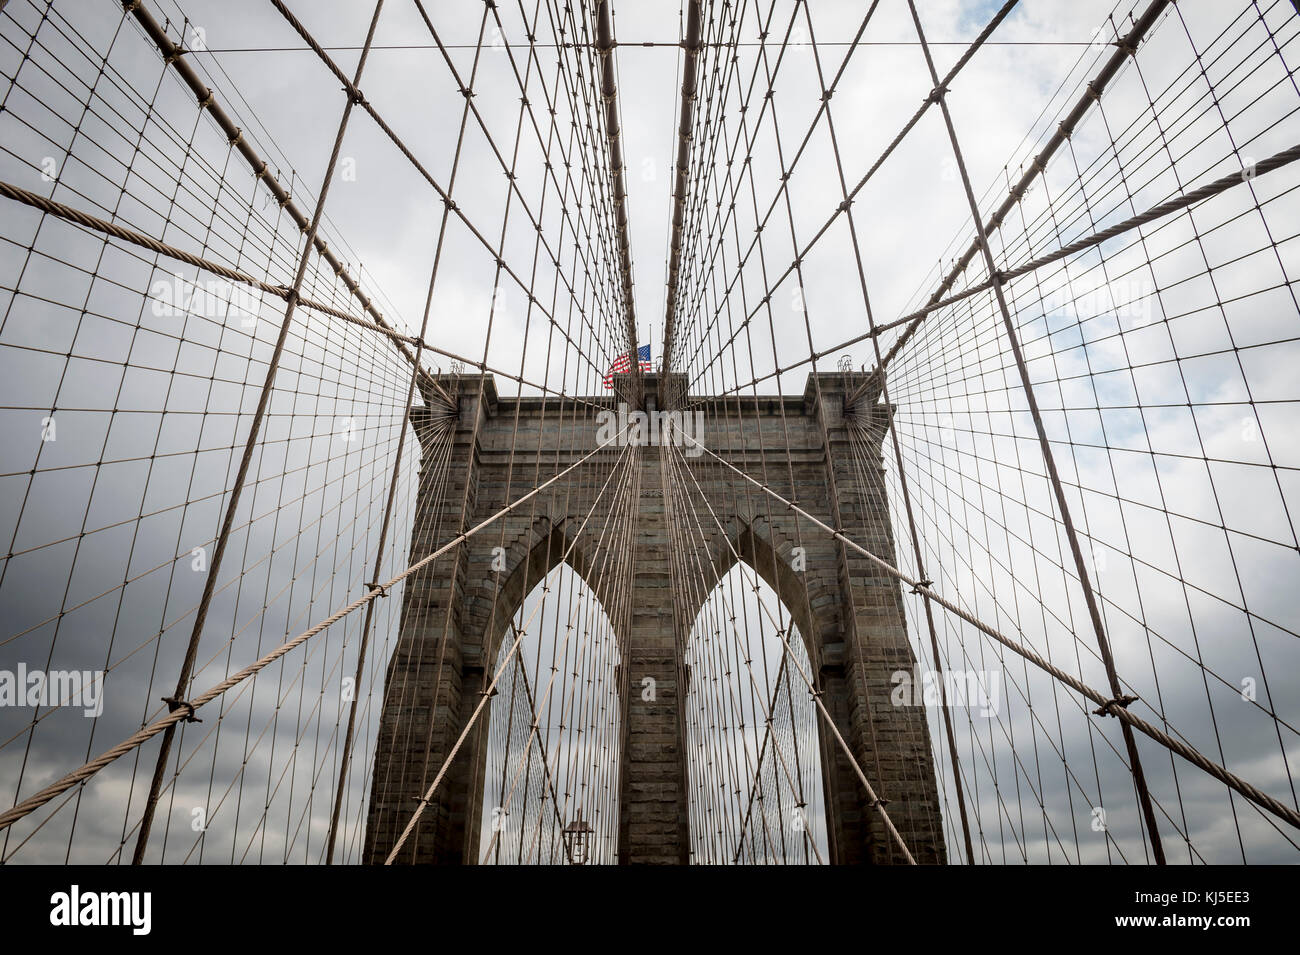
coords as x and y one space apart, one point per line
623 364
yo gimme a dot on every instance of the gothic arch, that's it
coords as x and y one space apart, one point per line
773 562
848 612
491 605
553 744
773 759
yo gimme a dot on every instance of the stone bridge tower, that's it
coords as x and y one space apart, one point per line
855 646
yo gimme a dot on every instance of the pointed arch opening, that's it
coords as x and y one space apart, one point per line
753 742
549 776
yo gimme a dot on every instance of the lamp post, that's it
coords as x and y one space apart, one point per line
576 839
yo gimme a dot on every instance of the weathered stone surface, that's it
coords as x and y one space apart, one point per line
456 611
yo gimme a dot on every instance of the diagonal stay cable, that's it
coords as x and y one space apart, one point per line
873 800
487 692
356 95
174 55
843 206
1158 211
1188 752
200 617
138 238
188 708
1085 581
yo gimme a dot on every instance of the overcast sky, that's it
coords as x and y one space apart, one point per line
1163 363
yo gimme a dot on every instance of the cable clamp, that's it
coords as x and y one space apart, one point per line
174 704
382 588
927 583
1108 708
936 94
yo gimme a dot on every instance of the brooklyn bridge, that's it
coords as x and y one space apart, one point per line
583 432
